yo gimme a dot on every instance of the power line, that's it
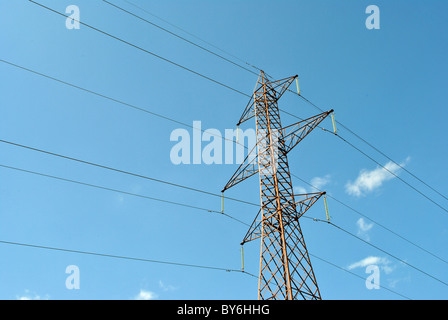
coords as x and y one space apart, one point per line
357 275
301 96
82 161
124 257
36 3
124 192
142 49
190 206
126 104
382 250
392 173
125 172
374 148
155 199
159 180
194 36
374 221
178 36
224 85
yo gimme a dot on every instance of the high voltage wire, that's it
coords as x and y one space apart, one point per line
147 260
161 200
123 192
124 257
374 221
141 49
382 250
179 122
376 149
357 275
187 125
300 95
126 104
199 208
193 72
125 172
178 36
379 164
182 123
133 174
392 173
209 210
155 199
194 36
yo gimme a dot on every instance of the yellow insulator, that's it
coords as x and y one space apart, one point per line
334 123
297 83
326 208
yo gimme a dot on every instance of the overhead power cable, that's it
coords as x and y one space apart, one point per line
372 220
178 36
147 260
194 36
208 78
357 275
124 257
34 2
126 104
124 192
141 49
179 122
377 150
389 171
155 199
380 249
125 172
300 95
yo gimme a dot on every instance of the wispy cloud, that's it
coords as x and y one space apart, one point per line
28 295
367 181
364 228
381 262
146 295
316 185
166 287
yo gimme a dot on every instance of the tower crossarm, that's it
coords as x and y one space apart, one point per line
296 132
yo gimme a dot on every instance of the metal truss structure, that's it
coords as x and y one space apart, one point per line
285 266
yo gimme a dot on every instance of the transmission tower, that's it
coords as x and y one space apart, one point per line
285 266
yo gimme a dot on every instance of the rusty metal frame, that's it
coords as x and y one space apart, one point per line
285 266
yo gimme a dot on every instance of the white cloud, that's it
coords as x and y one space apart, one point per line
317 183
381 262
364 228
166 287
368 181
31 296
145 295
300 190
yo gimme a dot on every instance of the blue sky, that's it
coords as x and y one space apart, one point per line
386 85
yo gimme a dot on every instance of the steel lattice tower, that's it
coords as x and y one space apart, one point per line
285 266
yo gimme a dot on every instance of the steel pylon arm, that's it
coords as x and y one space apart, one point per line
296 132
271 90
246 170
300 208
